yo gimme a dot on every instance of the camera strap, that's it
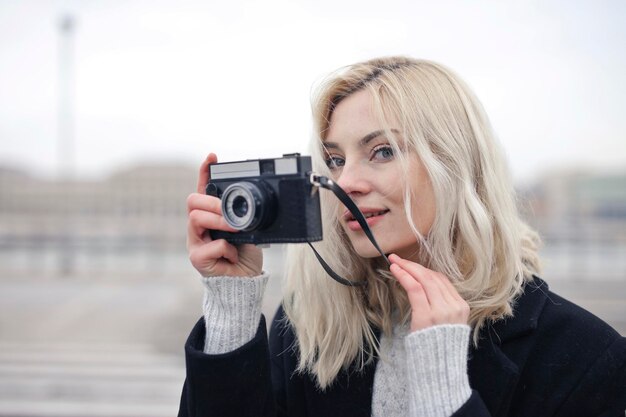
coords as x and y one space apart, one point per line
325 182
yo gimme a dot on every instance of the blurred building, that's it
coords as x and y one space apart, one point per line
581 217
69 225
578 206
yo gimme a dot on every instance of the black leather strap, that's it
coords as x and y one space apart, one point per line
329 184
333 274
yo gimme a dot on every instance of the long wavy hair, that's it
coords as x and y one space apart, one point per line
477 239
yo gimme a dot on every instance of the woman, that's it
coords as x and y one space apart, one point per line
459 324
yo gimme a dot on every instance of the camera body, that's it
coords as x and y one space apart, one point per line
267 200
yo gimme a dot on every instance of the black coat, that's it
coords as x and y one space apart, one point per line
551 359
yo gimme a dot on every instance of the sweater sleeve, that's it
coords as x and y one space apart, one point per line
232 311
437 370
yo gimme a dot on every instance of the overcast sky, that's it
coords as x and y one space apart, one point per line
173 80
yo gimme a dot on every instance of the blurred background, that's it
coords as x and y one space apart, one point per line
107 109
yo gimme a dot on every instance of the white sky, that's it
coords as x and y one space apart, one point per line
173 80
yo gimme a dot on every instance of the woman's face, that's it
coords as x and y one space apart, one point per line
362 162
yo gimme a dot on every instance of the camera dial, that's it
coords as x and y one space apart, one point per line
248 206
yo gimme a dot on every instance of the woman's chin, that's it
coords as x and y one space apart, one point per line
366 250
369 254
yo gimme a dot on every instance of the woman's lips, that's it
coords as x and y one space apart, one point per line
371 221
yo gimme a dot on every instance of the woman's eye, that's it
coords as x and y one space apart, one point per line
334 162
382 153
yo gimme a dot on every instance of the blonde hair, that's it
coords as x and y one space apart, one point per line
477 239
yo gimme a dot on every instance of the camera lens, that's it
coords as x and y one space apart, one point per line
240 206
248 206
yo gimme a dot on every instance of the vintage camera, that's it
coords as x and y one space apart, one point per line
267 200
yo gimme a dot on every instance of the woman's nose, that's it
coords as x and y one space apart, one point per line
353 180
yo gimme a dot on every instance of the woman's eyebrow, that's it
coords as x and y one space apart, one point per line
364 140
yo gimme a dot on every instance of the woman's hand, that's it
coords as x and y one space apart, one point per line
433 298
215 257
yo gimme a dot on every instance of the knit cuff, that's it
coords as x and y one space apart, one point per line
437 369
232 310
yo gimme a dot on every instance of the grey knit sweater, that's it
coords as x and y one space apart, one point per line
423 373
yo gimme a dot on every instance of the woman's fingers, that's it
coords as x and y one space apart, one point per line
413 288
204 202
440 280
212 252
200 221
417 296
459 305
452 290
205 213
203 175
425 277
433 298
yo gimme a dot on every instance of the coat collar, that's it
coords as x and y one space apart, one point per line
526 312
494 367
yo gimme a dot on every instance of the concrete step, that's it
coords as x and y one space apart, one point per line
74 380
